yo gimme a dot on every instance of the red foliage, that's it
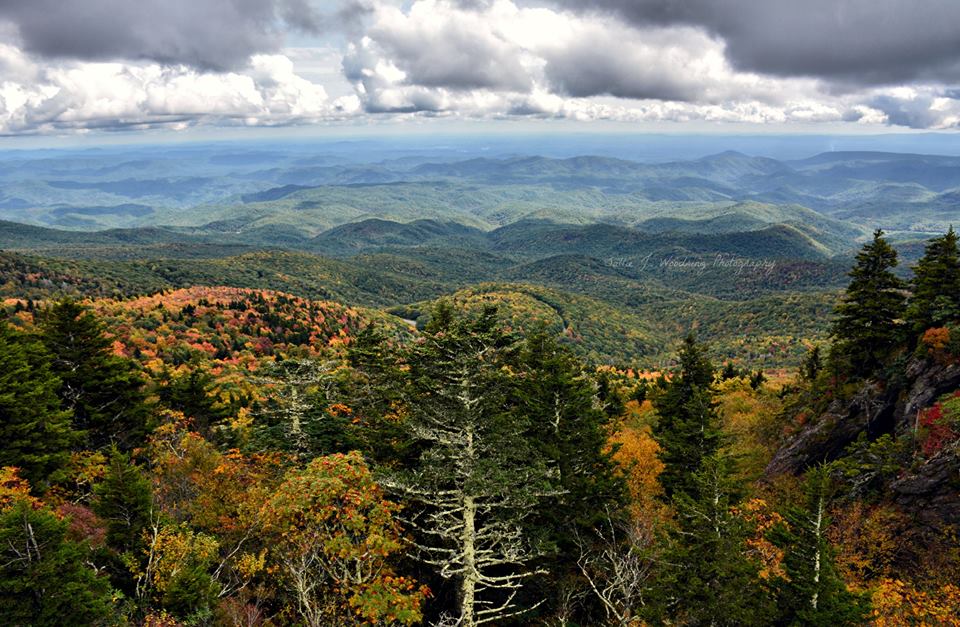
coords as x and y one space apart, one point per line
937 430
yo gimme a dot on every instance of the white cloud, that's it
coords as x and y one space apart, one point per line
446 58
77 95
441 57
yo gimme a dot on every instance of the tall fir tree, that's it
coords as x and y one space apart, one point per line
706 577
688 425
569 427
35 433
105 392
46 578
124 501
935 301
812 592
193 394
479 476
869 321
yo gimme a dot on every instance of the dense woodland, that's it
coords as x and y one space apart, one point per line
227 456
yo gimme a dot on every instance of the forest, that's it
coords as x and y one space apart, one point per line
240 456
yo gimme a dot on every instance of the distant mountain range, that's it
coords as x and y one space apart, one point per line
282 195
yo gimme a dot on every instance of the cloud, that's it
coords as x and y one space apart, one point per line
206 34
859 42
916 108
111 96
67 65
634 61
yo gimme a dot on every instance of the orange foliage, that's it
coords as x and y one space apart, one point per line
14 488
869 541
637 461
761 517
896 603
936 339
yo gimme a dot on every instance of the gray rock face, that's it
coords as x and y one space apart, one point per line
929 380
932 490
823 438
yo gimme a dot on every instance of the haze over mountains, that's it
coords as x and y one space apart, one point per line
740 245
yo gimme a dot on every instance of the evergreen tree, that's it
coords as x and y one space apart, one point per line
105 392
124 500
687 429
868 321
192 394
297 418
568 427
44 576
35 433
936 285
479 476
729 372
812 593
812 364
707 579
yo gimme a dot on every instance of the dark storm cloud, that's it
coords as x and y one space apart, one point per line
208 34
916 112
865 42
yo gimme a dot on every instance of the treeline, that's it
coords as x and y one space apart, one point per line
465 476
462 475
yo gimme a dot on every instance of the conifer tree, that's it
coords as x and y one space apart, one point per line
568 427
687 429
35 434
192 394
479 476
124 500
812 364
104 391
812 592
707 578
869 320
45 578
936 285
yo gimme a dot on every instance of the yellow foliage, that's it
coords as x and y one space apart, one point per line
637 461
13 488
897 603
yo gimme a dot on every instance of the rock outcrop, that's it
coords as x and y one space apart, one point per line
931 491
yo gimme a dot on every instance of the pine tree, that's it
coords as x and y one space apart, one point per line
35 433
936 285
192 394
687 429
812 365
479 476
124 500
868 321
104 392
706 577
45 578
812 593
568 427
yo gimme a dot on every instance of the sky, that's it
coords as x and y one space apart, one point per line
92 68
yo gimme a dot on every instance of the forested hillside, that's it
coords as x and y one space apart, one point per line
237 456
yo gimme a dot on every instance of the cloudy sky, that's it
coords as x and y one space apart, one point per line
82 66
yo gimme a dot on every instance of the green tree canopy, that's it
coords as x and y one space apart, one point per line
812 592
688 425
45 578
104 392
936 285
35 434
869 320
